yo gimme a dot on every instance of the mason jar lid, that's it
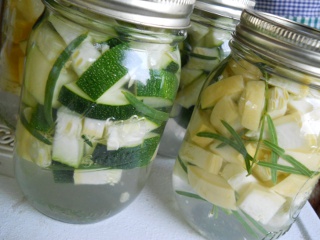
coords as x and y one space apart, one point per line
226 8
279 39
172 14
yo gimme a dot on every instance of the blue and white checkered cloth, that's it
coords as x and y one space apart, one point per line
302 11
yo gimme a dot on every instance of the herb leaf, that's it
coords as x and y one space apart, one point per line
184 167
274 140
237 145
191 195
295 163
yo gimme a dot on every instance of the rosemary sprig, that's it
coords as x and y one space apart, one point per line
274 139
237 143
280 167
237 214
191 195
303 170
184 167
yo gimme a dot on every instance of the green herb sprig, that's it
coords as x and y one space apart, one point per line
238 144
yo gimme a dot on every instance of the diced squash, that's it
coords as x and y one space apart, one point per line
231 86
260 203
189 75
295 88
240 181
97 177
196 62
225 109
32 149
200 123
248 71
211 187
277 102
289 133
196 33
293 184
216 37
252 104
228 153
188 96
127 133
68 146
298 105
307 158
261 173
84 56
93 127
202 158
231 169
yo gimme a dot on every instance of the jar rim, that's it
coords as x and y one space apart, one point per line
281 39
226 8
170 14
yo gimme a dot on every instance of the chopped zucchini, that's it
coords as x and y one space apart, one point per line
54 76
49 42
75 99
188 75
105 72
68 30
93 127
127 133
97 177
127 157
159 84
84 55
37 71
189 95
68 146
31 148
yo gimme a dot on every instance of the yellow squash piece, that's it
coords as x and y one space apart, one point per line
200 123
211 187
202 158
260 203
231 86
225 109
248 71
252 104
293 184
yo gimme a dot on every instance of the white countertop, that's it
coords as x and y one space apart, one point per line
153 215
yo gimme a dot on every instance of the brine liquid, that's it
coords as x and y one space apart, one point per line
213 222
9 105
81 203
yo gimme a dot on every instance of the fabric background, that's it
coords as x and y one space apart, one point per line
302 11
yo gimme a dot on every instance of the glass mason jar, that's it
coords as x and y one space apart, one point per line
250 157
206 45
98 87
18 17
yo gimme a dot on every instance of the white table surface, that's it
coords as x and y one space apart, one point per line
153 215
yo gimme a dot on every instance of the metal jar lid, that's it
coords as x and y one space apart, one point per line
171 14
226 8
279 39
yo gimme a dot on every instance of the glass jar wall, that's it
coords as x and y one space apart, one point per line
18 17
212 24
250 158
96 95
